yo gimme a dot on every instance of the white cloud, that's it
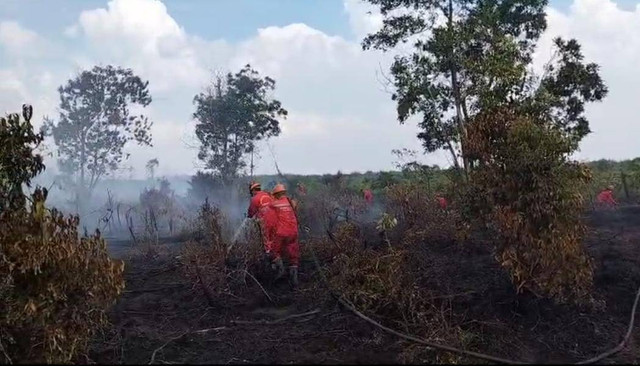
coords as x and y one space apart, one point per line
340 116
19 41
363 17
142 35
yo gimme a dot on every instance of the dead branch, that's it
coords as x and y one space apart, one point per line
153 355
269 322
4 353
207 292
169 287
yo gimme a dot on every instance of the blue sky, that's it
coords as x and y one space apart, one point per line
341 114
234 19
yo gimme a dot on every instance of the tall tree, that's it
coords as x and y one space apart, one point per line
470 55
232 115
95 124
151 167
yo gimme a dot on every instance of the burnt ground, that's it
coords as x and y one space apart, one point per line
163 312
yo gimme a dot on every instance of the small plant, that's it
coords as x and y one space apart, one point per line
217 266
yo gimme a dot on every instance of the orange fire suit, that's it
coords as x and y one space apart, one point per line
286 233
260 208
606 197
442 202
368 196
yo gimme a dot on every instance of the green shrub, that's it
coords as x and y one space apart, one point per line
526 187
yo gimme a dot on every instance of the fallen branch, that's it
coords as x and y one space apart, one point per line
153 355
202 331
452 295
173 286
312 312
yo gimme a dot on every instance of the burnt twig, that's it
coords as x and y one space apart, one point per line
316 311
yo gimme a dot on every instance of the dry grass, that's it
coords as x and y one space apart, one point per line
221 268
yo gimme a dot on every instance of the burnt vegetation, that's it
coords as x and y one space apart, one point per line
519 265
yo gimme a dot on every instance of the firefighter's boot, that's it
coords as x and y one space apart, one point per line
293 276
278 267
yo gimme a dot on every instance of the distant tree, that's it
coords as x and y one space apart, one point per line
151 166
95 124
203 185
471 55
232 115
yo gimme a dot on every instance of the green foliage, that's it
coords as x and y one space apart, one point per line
95 123
232 114
564 89
18 163
474 55
203 185
529 191
55 288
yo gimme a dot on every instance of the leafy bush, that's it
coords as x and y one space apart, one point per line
160 203
527 188
420 217
377 282
18 163
55 287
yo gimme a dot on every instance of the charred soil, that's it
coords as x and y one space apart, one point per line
164 318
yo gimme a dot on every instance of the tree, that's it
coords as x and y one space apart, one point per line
472 55
95 124
232 115
151 167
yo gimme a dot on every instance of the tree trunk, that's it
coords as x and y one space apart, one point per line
462 130
80 190
624 184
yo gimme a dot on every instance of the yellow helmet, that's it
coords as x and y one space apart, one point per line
279 188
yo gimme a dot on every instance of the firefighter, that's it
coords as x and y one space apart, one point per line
260 208
605 197
442 202
368 196
286 234
302 190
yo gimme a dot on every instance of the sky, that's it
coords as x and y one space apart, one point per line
341 116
